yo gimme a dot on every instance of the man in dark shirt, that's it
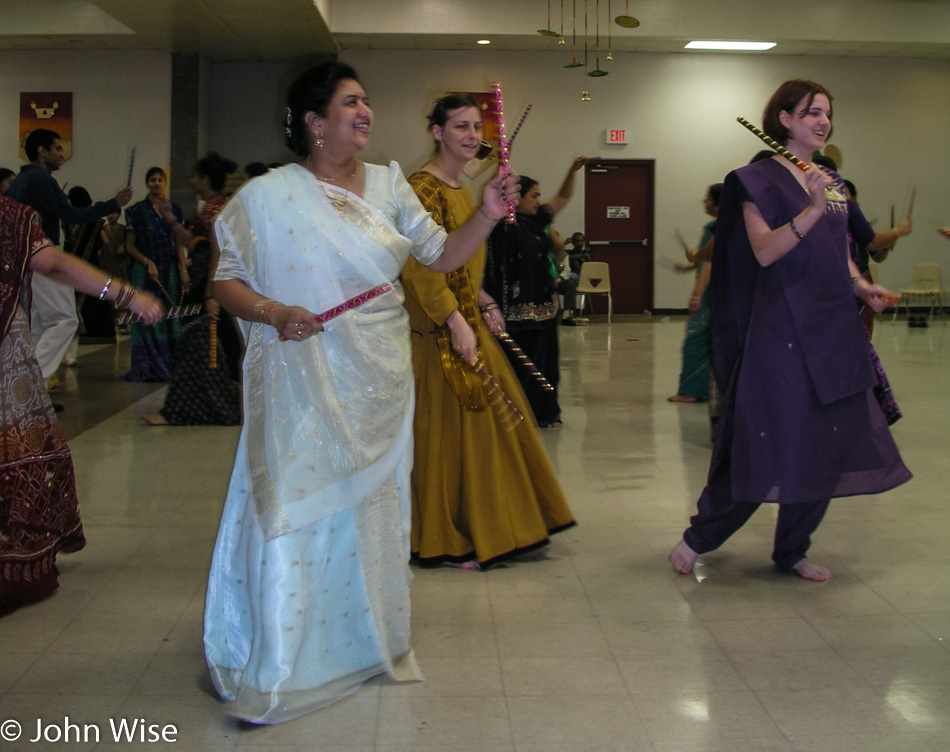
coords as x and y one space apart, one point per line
53 319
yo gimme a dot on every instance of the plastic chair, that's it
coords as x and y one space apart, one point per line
926 287
595 280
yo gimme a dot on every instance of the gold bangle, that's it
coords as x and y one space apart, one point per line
490 307
263 309
898 233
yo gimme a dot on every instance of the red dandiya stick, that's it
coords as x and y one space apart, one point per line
803 166
506 339
352 303
504 153
174 312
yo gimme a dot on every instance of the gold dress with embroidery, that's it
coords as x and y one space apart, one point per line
483 487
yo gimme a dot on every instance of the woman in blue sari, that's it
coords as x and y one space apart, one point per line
157 264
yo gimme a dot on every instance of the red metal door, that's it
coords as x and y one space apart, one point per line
618 219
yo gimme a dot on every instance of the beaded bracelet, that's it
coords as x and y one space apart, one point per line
105 289
795 230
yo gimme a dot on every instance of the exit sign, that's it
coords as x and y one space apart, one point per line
616 135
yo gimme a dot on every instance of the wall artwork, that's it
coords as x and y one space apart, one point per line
52 110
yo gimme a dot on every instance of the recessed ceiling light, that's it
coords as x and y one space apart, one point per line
484 41
700 45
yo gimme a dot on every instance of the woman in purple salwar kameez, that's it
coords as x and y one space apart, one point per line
800 424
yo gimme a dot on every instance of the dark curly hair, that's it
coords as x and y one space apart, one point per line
311 92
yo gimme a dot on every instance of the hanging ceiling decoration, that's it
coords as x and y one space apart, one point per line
547 32
598 72
626 20
574 63
585 95
610 54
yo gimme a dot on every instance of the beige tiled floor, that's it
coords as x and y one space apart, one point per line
591 645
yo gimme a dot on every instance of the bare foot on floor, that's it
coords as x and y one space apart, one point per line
812 571
470 564
680 398
682 557
155 419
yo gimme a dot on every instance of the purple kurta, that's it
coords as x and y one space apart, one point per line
800 422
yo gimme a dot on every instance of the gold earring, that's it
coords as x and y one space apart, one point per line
318 140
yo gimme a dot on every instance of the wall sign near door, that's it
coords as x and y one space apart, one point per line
616 135
618 212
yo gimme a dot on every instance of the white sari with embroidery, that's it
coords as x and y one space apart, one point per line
309 587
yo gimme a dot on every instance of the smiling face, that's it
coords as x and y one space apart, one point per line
52 159
347 122
155 184
809 125
461 136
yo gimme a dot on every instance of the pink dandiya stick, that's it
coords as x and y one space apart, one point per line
504 153
781 150
174 312
355 302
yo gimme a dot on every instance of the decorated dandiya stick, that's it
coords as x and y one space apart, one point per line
497 395
165 293
531 368
213 354
514 135
128 181
504 154
174 312
803 166
355 302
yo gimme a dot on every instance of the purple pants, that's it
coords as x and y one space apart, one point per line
716 519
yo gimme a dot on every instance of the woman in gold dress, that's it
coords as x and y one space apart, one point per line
483 487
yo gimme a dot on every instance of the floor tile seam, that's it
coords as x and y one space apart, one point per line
501 668
899 613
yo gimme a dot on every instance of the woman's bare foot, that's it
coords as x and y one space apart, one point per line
682 557
680 398
155 419
812 571
470 564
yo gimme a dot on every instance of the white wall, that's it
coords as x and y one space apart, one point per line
120 100
890 123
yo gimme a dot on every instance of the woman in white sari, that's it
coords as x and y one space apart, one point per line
309 587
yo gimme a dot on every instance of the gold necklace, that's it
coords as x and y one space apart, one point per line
338 203
329 180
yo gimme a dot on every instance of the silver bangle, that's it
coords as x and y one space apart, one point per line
102 295
795 230
488 216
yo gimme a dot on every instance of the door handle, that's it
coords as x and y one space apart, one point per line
645 243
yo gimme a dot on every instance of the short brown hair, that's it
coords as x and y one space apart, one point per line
786 98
